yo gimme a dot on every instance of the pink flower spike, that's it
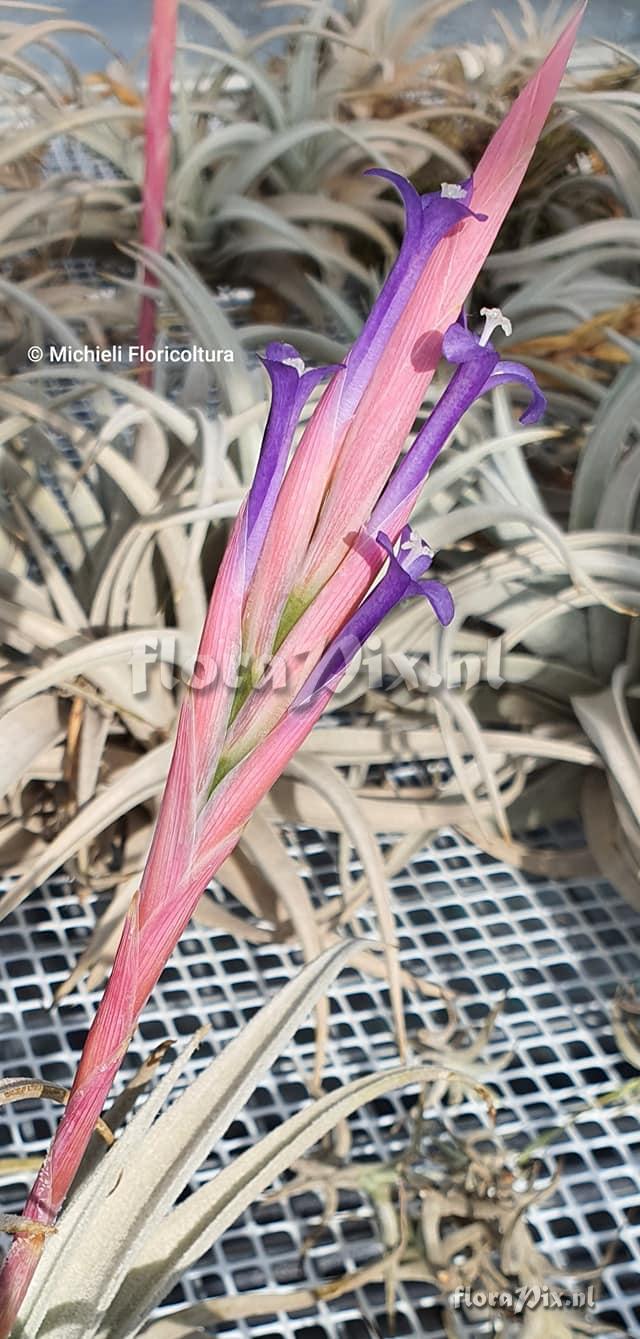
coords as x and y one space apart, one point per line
500 173
400 380
300 496
219 655
157 154
172 843
306 641
428 218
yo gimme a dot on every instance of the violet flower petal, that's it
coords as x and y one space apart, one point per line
410 558
479 369
291 386
506 372
461 345
410 553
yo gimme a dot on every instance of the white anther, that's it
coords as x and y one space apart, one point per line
493 320
298 363
451 191
415 547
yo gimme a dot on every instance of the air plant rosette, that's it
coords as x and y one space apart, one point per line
339 511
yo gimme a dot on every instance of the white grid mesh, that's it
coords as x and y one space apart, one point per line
464 919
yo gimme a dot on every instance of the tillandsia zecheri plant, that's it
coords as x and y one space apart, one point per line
298 590
452 1210
157 151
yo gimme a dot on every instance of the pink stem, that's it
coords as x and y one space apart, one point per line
157 155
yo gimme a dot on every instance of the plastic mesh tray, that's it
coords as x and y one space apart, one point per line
464 919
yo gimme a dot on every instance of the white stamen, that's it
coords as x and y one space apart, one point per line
584 164
298 363
493 320
415 547
451 191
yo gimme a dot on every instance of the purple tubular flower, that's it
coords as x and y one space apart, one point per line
479 369
404 577
291 386
428 218
467 383
461 345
